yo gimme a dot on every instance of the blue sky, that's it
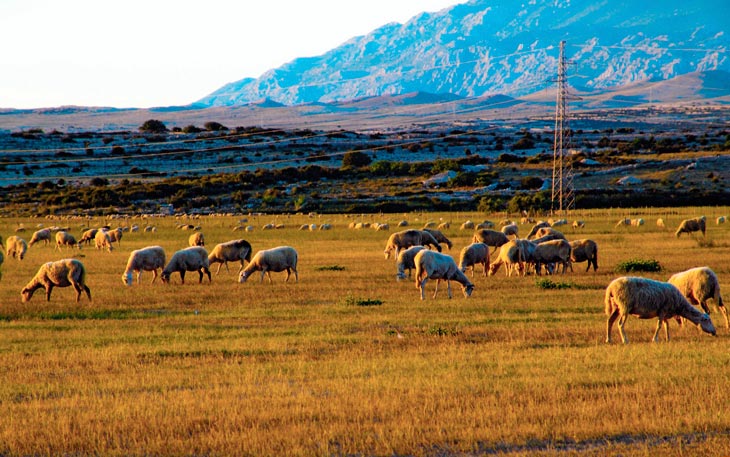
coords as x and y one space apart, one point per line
136 53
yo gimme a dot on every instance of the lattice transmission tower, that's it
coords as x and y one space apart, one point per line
563 196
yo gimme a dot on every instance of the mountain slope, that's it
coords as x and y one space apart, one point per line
495 46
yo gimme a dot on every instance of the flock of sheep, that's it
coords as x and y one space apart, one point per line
413 249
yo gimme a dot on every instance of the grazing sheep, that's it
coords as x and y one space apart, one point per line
468 225
484 225
490 237
62 273
511 255
473 255
510 230
582 251
557 222
304 227
193 258
637 222
88 236
231 251
407 238
721 220
623 222
103 241
550 252
196 239
441 267
150 258
699 285
406 259
691 225
577 224
116 235
250 228
268 227
276 259
444 226
66 239
429 225
41 235
527 220
439 236
16 247
648 298
535 228
660 223
150 229
549 231
325 227
403 223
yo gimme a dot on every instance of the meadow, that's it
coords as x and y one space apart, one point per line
349 361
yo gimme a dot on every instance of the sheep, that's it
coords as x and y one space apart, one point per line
276 259
537 227
88 236
325 227
660 223
16 247
490 237
691 225
545 231
193 258
196 239
473 255
578 224
527 220
648 298
429 225
65 239
511 255
721 220
550 252
115 235
439 236
304 227
407 238
510 230
699 285
557 222
150 258
637 222
441 267
468 225
103 241
624 221
403 223
582 251
41 235
484 225
406 259
62 273
231 251
150 229
444 226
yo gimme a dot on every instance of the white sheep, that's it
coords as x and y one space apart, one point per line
116 235
622 222
406 260
490 237
688 226
41 235
721 220
439 236
62 273
473 255
441 267
511 255
637 222
468 225
660 223
231 251
103 241
646 299
578 224
88 236
196 239
193 258
150 258
584 251
325 227
64 238
403 223
276 259
548 231
16 247
510 230
150 229
407 238
536 227
699 285
550 252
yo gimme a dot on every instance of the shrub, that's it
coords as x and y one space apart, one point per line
355 301
631 265
153 126
355 159
214 126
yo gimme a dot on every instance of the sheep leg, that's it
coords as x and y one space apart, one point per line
49 288
661 322
621 321
609 324
296 275
288 274
219 269
268 274
182 276
154 276
437 288
448 287
422 286
207 272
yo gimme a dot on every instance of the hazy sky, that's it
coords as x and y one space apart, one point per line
135 53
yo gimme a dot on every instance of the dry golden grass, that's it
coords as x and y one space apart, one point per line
301 369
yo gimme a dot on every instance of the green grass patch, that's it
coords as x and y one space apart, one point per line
330 268
357 301
632 265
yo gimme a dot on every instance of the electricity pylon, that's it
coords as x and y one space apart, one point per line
563 197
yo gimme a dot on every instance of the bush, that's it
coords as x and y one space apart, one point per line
631 265
355 159
153 126
214 126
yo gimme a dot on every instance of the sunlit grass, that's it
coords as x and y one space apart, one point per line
350 361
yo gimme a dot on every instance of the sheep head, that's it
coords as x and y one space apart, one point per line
467 289
127 279
706 325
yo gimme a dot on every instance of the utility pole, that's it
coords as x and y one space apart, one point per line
563 197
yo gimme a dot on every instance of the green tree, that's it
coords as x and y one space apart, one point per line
153 126
355 159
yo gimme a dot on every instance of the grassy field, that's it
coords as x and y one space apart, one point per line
348 361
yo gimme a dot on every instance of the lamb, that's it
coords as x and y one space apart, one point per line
511 255
16 247
691 225
699 285
582 251
103 241
407 238
231 251
276 259
537 227
41 235
64 238
406 259
439 236
434 265
193 258
150 258
196 239
490 237
648 298
62 273
473 255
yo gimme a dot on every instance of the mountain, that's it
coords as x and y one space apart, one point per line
505 47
